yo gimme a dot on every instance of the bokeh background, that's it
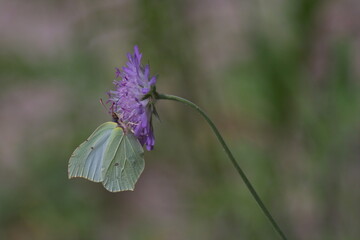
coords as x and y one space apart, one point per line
280 78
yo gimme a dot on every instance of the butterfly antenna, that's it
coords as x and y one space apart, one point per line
102 103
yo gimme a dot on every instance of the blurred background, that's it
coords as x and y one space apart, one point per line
278 77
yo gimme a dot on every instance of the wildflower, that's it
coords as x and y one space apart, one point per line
133 99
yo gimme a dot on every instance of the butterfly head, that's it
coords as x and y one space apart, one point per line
115 117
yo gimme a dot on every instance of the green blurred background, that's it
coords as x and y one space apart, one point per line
278 77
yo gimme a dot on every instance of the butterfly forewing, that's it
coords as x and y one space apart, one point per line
123 161
87 160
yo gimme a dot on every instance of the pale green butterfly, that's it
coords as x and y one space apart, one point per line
111 155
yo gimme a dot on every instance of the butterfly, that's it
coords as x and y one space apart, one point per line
111 155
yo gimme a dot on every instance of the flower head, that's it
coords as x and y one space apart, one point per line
132 100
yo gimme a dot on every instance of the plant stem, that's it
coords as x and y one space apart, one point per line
229 154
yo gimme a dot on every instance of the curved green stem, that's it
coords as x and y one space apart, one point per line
231 157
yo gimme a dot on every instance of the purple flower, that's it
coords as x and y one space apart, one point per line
133 100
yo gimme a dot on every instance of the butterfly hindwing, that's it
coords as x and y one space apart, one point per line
123 161
87 160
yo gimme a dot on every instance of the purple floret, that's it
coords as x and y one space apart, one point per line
134 112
